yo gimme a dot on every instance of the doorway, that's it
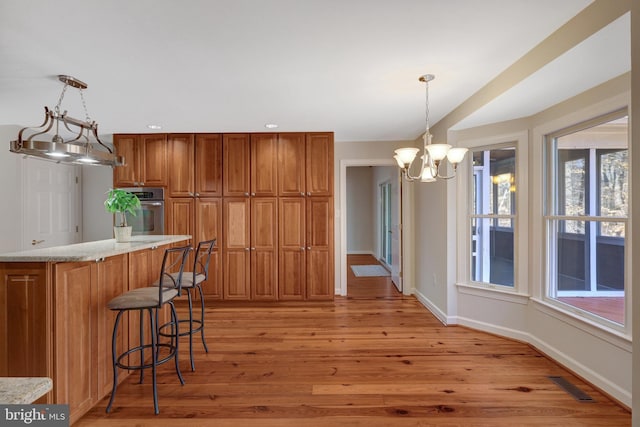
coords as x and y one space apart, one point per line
370 224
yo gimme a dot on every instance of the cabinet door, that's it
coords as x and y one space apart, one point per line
264 164
235 252
319 153
291 161
153 160
141 264
209 226
127 175
235 164
319 248
112 280
25 321
208 165
264 247
76 336
292 252
181 171
180 214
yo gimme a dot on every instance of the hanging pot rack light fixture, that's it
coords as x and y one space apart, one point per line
82 144
432 154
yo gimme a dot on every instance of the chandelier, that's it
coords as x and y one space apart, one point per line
432 154
75 141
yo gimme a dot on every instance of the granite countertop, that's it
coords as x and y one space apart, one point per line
91 251
22 391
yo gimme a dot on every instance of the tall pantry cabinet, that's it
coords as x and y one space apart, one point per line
194 203
268 199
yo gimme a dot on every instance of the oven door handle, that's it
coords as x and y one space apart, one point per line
151 203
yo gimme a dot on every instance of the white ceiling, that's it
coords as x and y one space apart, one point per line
348 66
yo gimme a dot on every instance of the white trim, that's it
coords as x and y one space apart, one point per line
562 358
362 253
434 309
519 140
494 292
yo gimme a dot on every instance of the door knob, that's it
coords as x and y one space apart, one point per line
36 242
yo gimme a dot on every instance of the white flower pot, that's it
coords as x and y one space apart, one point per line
122 234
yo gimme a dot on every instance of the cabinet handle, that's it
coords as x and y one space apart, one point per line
302 193
246 249
308 193
197 194
246 194
302 248
191 194
253 249
253 194
308 248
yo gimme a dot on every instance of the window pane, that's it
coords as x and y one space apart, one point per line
602 295
491 252
571 182
494 182
613 182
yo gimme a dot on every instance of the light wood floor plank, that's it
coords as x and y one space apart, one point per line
375 358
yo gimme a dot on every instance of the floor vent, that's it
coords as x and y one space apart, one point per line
574 391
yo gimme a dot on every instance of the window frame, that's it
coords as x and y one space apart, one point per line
551 217
465 214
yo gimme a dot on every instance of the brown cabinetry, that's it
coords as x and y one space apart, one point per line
145 160
194 207
268 200
75 323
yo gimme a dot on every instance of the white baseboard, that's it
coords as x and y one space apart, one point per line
434 309
604 384
362 253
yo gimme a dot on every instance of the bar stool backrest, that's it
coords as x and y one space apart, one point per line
202 258
173 262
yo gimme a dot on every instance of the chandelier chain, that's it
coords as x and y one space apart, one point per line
57 109
84 105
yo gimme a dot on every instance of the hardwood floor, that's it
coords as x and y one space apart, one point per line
365 360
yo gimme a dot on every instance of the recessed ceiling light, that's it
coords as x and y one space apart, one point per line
154 127
271 126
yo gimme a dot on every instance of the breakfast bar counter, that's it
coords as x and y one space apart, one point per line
91 251
56 324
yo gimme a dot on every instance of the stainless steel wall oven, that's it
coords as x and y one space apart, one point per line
149 219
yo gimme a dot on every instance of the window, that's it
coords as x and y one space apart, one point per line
493 215
587 216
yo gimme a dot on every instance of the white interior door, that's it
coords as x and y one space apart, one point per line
396 233
52 204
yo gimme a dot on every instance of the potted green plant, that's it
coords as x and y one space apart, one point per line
121 201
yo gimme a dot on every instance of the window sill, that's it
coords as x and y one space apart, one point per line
497 293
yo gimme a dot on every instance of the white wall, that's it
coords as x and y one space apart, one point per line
11 218
360 210
601 356
97 223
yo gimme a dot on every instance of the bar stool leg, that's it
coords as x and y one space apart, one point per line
193 366
154 358
115 361
174 314
202 318
141 313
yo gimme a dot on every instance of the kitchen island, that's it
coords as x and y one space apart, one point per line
53 316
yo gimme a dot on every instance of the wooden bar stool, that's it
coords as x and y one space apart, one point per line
151 299
192 280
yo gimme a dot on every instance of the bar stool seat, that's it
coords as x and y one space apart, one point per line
151 299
